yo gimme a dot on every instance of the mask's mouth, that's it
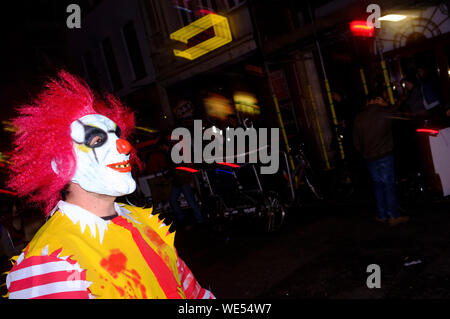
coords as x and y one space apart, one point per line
122 167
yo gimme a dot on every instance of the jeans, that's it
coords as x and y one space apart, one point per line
190 198
383 181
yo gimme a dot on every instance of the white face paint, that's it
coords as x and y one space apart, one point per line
102 157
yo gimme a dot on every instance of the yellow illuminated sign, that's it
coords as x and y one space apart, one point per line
222 36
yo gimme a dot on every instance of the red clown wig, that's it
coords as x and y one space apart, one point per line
43 136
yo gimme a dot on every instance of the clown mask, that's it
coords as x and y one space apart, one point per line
102 156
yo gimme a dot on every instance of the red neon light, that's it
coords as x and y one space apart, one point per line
229 164
360 28
187 169
204 12
427 130
4 191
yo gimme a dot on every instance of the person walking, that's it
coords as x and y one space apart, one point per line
372 136
181 184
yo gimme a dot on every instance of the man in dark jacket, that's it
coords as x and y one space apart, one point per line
372 136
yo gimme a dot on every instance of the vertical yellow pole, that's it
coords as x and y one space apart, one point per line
364 82
283 130
333 115
267 72
387 82
327 85
316 118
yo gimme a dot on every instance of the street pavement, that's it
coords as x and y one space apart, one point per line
323 252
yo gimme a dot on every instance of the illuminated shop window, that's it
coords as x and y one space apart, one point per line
217 106
246 102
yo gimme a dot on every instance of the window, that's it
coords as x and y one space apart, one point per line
210 5
185 11
134 50
87 5
111 63
92 70
153 16
234 3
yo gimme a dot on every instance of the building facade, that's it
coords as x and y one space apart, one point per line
141 50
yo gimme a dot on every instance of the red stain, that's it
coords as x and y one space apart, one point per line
135 274
120 290
161 245
154 237
137 281
130 288
115 263
163 273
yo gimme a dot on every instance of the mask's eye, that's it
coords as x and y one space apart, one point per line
95 141
117 131
94 137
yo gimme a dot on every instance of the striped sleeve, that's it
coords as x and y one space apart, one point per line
47 277
191 287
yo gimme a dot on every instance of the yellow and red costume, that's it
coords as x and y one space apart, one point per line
70 136
77 254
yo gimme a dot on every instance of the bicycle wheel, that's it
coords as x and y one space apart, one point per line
273 212
214 210
312 183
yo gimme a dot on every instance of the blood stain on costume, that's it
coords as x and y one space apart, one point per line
161 246
120 290
137 281
115 263
154 237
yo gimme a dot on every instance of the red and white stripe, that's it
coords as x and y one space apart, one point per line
191 287
47 276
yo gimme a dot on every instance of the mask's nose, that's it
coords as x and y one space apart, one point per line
123 146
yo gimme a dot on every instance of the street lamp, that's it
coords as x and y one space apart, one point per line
392 17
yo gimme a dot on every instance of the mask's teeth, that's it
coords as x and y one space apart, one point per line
122 165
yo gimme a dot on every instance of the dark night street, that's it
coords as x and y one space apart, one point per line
324 252
299 149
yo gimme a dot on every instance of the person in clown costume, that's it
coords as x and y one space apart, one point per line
72 158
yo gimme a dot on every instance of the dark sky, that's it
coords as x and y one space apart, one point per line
28 29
